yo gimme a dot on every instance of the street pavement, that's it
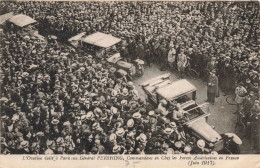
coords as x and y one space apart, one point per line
221 117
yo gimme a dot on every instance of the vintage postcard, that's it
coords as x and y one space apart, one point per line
109 84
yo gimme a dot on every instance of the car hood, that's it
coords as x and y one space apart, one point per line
204 130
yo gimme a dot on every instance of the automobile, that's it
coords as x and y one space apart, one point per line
5 17
134 68
184 93
23 22
104 46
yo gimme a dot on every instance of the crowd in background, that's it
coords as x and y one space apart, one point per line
81 104
227 31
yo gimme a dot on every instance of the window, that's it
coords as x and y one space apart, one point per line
184 98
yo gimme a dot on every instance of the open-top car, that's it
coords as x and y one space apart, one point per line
184 93
104 46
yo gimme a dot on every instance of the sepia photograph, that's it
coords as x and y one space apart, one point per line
144 78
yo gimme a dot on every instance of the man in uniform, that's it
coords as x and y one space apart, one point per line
252 123
163 56
240 95
131 48
181 63
227 77
211 66
171 56
212 89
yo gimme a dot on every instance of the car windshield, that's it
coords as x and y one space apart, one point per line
111 51
194 111
184 98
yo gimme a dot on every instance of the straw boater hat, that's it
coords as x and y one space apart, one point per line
55 121
40 134
172 125
168 131
130 134
151 113
90 115
178 144
120 132
124 102
187 149
114 110
130 84
201 143
125 92
95 125
143 137
59 140
170 151
112 137
48 152
49 143
4 99
137 115
116 148
214 153
130 123
67 123
114 93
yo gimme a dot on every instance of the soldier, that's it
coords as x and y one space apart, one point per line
147 48
140 50
131 48
181 63
171 56
211 66
227 76
212 89
163 56
240 95
254 124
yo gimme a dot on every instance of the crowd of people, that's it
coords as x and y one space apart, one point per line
59 101
56 101
227 31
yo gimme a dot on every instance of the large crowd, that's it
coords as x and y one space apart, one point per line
226 31
61 101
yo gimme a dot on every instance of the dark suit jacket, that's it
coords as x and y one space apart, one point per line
213 84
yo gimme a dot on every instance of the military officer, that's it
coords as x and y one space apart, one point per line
212 89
